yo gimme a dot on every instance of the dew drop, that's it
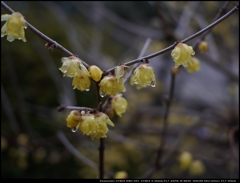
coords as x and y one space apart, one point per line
102 94
153 84
87 89
74 129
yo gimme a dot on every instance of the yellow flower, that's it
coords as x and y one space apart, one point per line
73 119
109 85
81 82
143 76
203 46
72 66
182 54
185 159
194 66
95 72
121 175
14 26
196 168
95 126
119 104
120 72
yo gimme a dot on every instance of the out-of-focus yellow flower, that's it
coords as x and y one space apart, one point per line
182 54
194 66
39 154
22 139
82 82
143 76
109 85
14 27
185 159
73 119
4 143
119 104
196 168
203 46
95 72
120 72
121 175
95 126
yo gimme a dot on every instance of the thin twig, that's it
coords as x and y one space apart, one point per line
63 107
74 151
235 8
146 44
43 36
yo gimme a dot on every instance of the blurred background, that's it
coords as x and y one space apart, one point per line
202 140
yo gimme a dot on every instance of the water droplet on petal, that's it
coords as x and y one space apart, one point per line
135 82
153 84
74 129
102 94
87 89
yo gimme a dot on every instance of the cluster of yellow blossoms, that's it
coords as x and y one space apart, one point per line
93 125
14 27
111 84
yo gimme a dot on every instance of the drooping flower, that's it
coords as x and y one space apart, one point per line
194 66
82 82
196 168
95 72
95 126
73 119
182 54
14 26
203 46
119 104
72 67
143 76
109 85
121 175
120 72
185 159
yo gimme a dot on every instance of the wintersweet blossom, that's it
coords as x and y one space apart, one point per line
72 67
203 46
182 55
185 159
119 104
95 72
93 125
194 66
196 168
14 26
143 76
109 85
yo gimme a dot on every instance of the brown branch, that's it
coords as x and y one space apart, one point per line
235 8
50 43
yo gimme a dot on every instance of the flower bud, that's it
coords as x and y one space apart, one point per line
95 72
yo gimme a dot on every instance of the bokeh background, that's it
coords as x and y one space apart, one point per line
203 121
